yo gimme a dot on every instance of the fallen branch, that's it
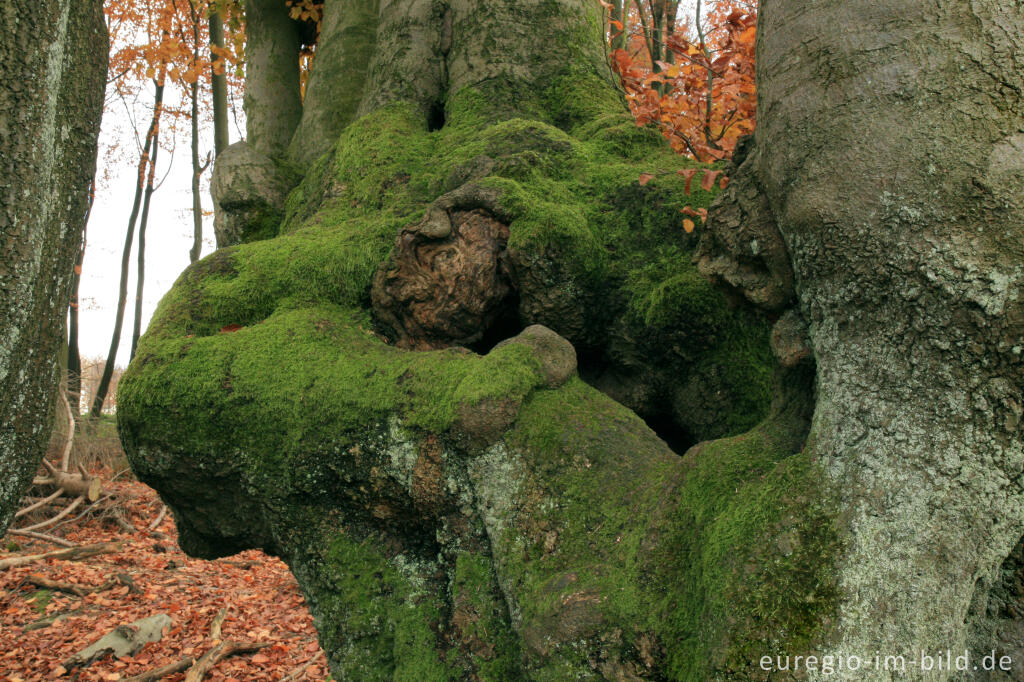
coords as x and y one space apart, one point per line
218 621
39 503
162 671
73 485
53 539
70 554
159 517
49 620
73 588
217 653
54 519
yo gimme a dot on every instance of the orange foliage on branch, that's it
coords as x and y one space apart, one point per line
699 87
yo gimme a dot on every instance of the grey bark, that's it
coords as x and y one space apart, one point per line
273 104
52 66
219 85
889 153
335 86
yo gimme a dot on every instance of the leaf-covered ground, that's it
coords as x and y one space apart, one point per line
262 601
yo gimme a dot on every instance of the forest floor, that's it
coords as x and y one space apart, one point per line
42 628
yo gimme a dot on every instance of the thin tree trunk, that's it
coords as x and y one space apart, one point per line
74 362
618 14
219 84
115 340
141 262
197 207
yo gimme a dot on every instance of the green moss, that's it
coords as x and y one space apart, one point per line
40 599
725 559
482 620
261 372
756 528
377 622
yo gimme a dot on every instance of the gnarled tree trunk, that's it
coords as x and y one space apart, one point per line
52 65
376 378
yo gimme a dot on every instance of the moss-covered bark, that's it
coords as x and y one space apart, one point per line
485 513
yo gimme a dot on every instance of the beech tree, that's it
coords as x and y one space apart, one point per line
458 363
52 65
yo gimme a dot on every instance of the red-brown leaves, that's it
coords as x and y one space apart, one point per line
261 597
704 98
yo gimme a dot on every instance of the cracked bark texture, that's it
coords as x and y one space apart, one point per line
889 153
52 65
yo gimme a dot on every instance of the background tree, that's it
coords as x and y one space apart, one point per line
52 62
692 78
159 44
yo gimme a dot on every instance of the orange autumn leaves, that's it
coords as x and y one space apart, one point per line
152 39
703 98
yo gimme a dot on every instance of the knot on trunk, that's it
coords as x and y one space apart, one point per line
447 281
741 246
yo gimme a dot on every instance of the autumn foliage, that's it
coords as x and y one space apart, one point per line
698 87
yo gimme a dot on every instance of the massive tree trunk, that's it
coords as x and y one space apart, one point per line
376 377
890 156
52 66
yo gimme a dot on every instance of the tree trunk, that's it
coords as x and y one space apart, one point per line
381 386
52 64
197 169
893 168
144 164
74 362
273 104
219 85
140 268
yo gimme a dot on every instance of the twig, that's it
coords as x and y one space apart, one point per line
159 518
71 554
69 588
42 536
294 675
222 650
65 458
32 507
49 620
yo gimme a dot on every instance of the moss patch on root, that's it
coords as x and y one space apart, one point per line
262 373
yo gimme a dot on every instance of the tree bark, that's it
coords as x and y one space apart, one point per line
893 168
218 84
483 513
52 62
140 268
273 103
